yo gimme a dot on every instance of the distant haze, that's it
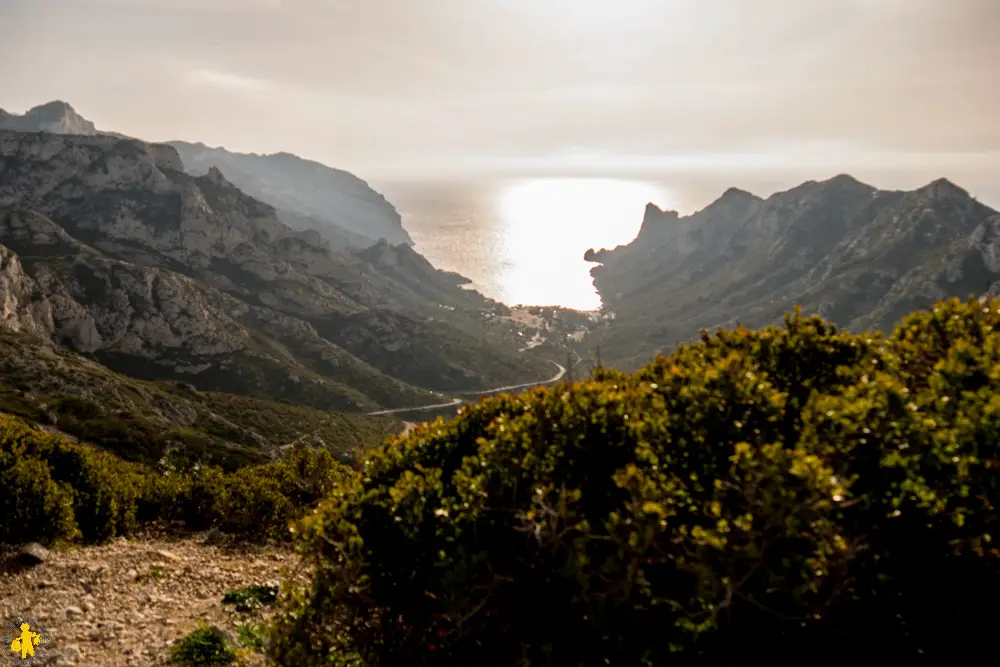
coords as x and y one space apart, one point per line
896 92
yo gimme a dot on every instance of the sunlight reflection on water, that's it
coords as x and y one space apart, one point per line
523 242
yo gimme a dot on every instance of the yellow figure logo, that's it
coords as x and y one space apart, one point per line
26 643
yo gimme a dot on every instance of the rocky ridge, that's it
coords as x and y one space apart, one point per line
859 256
306 194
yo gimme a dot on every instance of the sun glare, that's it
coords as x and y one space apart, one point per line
550 223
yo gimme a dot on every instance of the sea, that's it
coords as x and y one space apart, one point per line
522 242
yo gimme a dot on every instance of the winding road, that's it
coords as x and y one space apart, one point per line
458 401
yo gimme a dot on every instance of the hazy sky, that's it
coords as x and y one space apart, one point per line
422 88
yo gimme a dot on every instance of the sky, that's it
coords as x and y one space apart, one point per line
424 89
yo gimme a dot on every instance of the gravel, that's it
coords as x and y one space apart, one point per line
124 603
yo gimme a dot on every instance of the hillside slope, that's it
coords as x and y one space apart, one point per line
340 205
144 421
306 194
112 249
859 256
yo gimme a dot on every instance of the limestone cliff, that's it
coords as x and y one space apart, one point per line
22 308
57 117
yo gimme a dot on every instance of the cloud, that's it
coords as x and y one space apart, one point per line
203 6
817 156
216 79
511 85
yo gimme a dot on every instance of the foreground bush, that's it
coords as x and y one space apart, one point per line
63 489
53 489
261 500
772 494
33 506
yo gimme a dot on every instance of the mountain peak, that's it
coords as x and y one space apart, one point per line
942 188
654 212
345 209
846 180
859 256
217 178
56 116
734 197
656 219
843 183
737 192
53 108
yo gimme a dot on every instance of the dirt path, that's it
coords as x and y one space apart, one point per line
126 602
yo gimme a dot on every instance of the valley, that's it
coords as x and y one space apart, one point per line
214 364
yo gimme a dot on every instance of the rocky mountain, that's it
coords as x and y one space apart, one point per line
110 248
859 256
57 117
307 194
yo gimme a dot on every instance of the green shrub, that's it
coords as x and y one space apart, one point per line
205 646
106 490
248 598
255 502
102 489
200 498
258 502
252 635
312 474
33 506
760 494
67 490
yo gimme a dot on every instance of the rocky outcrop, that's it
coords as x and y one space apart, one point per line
859 256
22 308
657 223
57 117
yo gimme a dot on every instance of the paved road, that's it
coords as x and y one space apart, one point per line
458 401
394 411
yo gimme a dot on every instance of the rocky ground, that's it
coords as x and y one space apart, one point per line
125 603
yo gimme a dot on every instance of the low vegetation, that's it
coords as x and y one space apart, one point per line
205 646
55 489
252 635
768 494
248 598
144 421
